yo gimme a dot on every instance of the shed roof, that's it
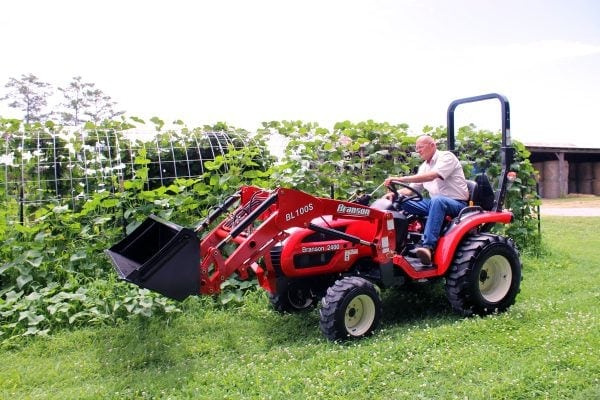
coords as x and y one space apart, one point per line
539 147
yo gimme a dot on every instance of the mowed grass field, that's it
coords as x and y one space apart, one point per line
547 346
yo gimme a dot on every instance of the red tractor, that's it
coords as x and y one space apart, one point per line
303 249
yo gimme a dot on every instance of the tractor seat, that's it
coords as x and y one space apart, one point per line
481 193
481 198
472 186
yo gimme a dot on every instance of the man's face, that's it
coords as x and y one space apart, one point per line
425 149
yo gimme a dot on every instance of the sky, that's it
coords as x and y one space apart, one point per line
399 61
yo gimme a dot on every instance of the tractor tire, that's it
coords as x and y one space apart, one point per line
351 309
291 297
485 276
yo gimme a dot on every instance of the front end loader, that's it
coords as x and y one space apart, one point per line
305 250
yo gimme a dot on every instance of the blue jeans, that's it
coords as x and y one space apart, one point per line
436 210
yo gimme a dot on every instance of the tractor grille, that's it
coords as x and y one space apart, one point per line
313 260
276 260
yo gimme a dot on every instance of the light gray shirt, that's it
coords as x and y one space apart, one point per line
451 181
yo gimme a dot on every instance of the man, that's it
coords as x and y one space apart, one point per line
442 175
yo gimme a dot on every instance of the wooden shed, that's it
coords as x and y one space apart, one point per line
565 168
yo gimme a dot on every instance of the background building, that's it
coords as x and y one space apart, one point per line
565 169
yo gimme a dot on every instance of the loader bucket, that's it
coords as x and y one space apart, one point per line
160 256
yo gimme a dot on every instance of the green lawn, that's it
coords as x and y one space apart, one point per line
546 347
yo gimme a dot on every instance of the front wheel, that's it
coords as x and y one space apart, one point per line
350 309
485 276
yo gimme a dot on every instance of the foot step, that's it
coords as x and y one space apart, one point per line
418 265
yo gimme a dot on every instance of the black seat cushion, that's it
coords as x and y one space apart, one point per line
483 195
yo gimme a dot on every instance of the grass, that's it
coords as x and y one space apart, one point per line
546 347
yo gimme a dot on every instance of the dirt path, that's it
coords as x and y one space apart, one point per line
572 206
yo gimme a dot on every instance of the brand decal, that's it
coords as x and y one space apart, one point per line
344 209
328 247
299 212
313 249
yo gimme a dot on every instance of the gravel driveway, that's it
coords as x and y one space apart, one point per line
576 206
570 211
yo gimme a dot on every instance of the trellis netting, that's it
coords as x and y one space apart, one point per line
66 166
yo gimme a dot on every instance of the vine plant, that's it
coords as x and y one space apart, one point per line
54 274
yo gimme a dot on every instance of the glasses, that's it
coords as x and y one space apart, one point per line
420 147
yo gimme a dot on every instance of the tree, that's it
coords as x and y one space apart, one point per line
28 94
99 106
75 101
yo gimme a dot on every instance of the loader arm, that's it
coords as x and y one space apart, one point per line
277 212
172 260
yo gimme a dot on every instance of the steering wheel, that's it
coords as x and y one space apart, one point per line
415 195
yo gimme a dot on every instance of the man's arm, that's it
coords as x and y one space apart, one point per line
417 178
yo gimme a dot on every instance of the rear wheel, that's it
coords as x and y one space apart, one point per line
485 276
350 309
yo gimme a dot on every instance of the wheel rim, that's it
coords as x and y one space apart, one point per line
495 278
360 315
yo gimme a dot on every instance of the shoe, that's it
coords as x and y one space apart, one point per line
424 254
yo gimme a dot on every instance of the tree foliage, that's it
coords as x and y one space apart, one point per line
99 106
29 95
74 101
80 102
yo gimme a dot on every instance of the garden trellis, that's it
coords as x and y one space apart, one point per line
65 166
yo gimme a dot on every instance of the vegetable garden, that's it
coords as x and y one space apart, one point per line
69 195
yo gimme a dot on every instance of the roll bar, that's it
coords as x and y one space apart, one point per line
507 151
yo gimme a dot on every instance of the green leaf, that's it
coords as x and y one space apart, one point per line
36 262
101 220
137 185
22 280
75 316
13 296
141 160
132 226
80 255
109 203
252 174
158 122
61 209
6 267
142 173
40 237
174 189
223 179
138 120
211 165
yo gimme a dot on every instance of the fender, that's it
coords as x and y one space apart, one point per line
448 243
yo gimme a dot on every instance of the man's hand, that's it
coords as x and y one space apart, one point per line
388 181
